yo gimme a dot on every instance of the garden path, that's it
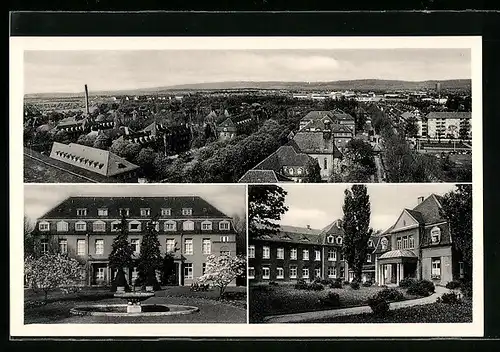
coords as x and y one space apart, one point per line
324 314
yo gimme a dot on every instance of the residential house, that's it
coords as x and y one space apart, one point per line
437 124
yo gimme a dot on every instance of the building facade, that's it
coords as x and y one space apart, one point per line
189 228
445 125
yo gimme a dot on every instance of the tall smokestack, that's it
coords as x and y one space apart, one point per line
87 100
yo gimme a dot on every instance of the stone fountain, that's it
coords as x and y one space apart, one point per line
134 300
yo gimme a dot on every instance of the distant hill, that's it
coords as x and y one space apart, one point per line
357 85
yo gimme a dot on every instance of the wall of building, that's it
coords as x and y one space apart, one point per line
445 254
325 173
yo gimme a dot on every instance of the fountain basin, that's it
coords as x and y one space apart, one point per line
147 310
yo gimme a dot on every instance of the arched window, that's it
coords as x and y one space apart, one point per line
384 242
99 226
435 234
339 240
170 225
115 225
330 239
44 226
62 226
206 225
81 226
224 225
188 226
290 170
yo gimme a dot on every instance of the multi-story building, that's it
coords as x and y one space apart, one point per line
188 227
238 124
445 125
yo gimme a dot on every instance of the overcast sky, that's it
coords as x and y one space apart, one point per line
38 199
319 205
68 71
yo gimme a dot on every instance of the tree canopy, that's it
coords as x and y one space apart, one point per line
266 204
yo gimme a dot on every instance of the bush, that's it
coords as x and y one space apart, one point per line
197 287
331 300
301 284
407 282
421 288
390 295
346 282
355 285
315 287
466 288
336 284
327 282
273 283
367 283
452 285
449 298
378 305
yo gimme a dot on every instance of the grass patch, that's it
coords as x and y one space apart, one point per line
426 313
285 299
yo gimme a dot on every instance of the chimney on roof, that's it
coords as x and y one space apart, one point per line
87 109
420 199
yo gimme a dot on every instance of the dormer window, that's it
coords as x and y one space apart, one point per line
44 226
166 211
339 240
62 226
134 226
188 226
145 212
102 212
124 211
290 170
206 225
224 225
81 226
99 226
81 212
170 225
115 226
370 243
187 211
436 234
384 242
299 171
330 239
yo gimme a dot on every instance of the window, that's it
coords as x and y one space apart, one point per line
80 247
290 171
188 226
368 258
332 272
293 271
317 255
62 226
187 211
342 256
45 245
317 272
325 164
461 269
166 211
44 226
224 238
330 239
305 254
384 242
135 274
305 273
99 226
251 272
405 242
332 255
225 252
280 273
63 246
81 212
169 226
436 268
145 212
136 246
207 246
115 226
206 225
188 246
134 226
102 212
170 245
436 234
265 272
411 242
100 273
81 226
398 243
370 243
280 253
299 171
339 240
124 211
99 247
188 271
265 252
251 251
293 254
224 225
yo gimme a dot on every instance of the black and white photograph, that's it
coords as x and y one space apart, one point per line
250 116
131 254
345 254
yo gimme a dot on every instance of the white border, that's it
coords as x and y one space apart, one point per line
19 44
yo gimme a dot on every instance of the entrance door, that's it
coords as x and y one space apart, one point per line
175 276
394 273
99 273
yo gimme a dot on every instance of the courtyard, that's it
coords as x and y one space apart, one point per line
231 309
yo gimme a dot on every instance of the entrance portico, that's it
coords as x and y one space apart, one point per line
396 265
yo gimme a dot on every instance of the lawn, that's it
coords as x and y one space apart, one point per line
426 313
268 300
212 310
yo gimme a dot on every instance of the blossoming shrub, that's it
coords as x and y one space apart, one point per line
222 270
51 271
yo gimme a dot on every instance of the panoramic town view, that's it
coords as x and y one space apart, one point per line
289 116
114 254
360 254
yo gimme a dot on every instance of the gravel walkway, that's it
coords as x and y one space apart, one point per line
325 314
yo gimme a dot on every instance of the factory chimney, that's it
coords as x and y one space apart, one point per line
87 100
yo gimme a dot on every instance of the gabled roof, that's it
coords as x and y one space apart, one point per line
199 206
430 209
416 215
259 176
314 143
317 115
294 234
100 161
448 115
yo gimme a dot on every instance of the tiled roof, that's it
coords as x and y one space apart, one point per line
259 176
416 215
448 115
430 209
294 234
314 143
96 160
199 206
317 115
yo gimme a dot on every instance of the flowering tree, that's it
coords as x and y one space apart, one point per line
222 270
51 271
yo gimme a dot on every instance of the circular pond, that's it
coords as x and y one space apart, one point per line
147 310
